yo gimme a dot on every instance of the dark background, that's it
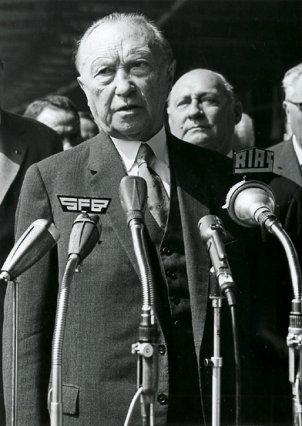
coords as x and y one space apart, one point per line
251 42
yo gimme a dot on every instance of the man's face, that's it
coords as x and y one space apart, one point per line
125 80
201 112
294 112
65 123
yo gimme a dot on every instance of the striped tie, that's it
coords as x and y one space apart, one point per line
158 199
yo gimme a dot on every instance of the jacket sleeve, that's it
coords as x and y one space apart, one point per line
37 293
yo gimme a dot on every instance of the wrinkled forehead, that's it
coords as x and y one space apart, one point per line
294 92
115 38
197 84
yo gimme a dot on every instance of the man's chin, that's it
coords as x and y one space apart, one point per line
197 138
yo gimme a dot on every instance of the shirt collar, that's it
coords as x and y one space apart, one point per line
128 149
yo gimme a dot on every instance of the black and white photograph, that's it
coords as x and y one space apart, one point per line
151 212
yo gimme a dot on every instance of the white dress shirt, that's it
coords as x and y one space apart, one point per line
298 149
128 151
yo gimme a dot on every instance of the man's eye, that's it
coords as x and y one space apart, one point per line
209 101
140 67
103 72
182 103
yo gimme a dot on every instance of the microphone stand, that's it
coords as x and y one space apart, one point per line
216 360
85 234
6 278
146 348
294 337
133 197
55 393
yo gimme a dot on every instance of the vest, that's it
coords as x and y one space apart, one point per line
180 401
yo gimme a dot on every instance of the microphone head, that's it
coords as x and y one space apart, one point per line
133 197
85 234
246 200
33 244
208 225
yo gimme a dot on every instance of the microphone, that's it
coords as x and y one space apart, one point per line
251 203
133 197
213 234
85 234
33 244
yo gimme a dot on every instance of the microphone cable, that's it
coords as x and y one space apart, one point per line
132 405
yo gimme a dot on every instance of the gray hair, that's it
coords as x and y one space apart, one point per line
291 76
158 39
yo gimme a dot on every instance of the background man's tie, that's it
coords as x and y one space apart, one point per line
158 199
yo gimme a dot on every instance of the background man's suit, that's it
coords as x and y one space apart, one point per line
22 142
286 161
105 300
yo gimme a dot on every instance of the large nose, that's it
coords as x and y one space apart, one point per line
123 84
195 109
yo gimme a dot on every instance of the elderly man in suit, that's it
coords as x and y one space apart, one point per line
126 69
203 110
22 143
288 154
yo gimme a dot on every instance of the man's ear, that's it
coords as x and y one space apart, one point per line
286 109
238 111
81 84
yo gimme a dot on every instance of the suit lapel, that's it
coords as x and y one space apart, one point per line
107 170
287 162
193 196
13 147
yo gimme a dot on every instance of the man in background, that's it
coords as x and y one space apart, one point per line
60 114
88 125
22 142
203 110
288 154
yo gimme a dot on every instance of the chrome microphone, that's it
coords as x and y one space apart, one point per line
85 234
251 203
33 244
213 234
133 197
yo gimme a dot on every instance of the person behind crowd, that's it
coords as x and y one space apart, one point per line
203 110
59 113
126 69
88 125
20 146
244 133
288 154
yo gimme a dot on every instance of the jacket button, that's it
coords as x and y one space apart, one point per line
165 250
170 274
162 399
162 349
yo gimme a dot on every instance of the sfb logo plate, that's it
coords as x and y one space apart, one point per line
87 204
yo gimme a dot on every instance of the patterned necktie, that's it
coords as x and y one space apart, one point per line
158 199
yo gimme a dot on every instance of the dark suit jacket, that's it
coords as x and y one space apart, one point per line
105 300
24 141
285 161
